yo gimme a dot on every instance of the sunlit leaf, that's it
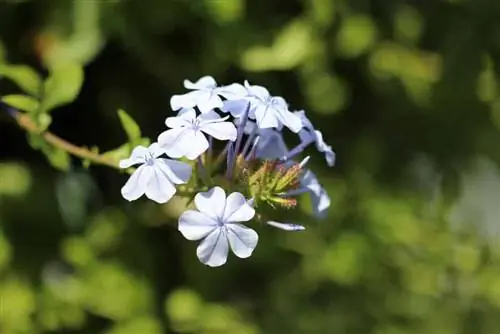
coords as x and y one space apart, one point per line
24 77
130 126
22 102
62 86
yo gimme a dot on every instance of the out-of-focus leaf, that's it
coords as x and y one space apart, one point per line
15 179
144 324
82 18
5 252
62 86
225 11
356 36
76 194
24 77
292 45
130 126
183 308
22 102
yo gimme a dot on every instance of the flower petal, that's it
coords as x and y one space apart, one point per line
287 118
159 188
184 118
195 225
235 107
220 130
136 157
242 240
173 142
258 91
211 117
213 250
286 226
178 172
156 150
194 144
237 209
234 91
208 101
271 145
212 202
265 116
187 100
319 197
137 183
325 148
202 83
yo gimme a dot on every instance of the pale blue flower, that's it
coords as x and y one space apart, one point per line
203 95
217 223
155 177
268 111
310 133
187 134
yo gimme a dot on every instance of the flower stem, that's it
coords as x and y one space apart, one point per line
26 123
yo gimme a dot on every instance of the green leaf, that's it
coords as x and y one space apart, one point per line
22 102
130 126
62 86
23 76
57 157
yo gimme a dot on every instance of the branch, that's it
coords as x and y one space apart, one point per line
27 124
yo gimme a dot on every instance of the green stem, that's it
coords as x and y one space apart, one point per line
26 123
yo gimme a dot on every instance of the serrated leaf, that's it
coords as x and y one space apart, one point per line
22 102
130 126
62 86
24 77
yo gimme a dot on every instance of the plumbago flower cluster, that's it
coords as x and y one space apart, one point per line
253 173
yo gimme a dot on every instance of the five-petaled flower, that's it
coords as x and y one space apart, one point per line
217 223
155 177
187 134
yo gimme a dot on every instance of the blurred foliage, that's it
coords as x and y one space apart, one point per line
405 91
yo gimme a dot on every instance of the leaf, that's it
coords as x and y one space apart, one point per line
62 86
130 126
22 102
23 76
57 157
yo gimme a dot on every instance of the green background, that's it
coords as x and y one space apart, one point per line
407 94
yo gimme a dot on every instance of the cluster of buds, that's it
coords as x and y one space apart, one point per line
225 150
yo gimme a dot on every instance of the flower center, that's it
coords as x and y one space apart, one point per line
149 159
220 223
196 124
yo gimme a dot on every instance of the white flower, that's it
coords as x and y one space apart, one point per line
155 177
216 223
269 111
203 95
187 134
309 132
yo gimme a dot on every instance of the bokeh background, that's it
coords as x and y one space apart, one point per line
407 94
